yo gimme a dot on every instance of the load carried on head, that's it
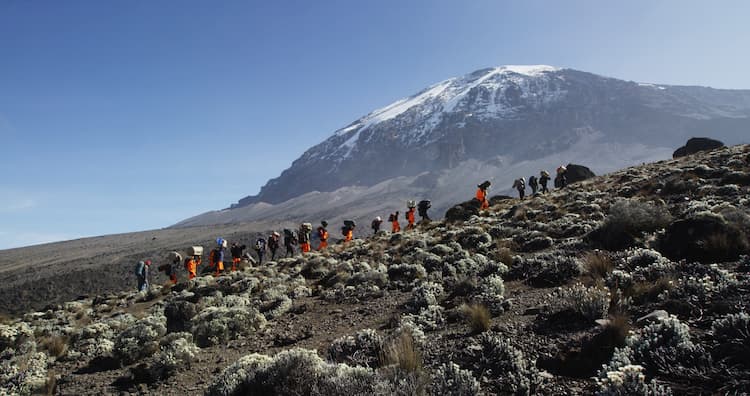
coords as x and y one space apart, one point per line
195 251
411 204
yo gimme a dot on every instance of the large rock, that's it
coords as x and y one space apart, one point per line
695 145
463 211
576 173
706 239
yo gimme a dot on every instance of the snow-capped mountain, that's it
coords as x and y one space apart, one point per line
503 118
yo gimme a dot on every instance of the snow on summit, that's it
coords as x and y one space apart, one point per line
486 93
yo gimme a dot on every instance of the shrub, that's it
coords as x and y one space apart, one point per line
216 324
590 302
503 365
732 328
177 352
546 269
628 380
292 372
627 220
478 317
362 349
661 347
424 295
24 374
405 274
450 379
140 340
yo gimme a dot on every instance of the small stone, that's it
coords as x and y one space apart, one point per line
653 316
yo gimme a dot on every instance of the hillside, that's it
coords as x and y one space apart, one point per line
642 271
498 124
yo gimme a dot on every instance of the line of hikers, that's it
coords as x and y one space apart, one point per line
273 242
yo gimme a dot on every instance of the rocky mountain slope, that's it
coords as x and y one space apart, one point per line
497 124
631 283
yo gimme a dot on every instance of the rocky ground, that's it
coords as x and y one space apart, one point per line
631 283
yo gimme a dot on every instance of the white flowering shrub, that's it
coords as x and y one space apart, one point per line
424 295
591 302
292 372
404 274
546 269
639 257
12 336
24 374
661 347
177 351
450 379
629 380
503 366
140 340
361 349
733 327
428 319
701 283
474 238
619 279
274 308
215 325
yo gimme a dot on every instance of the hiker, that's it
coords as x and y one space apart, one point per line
482 194
289 242
170 268
561 180
192 261
141 272
411 206
323 235
303 236
273 244
236 251
520 185
348 230
395 226
216 257
533 184
260 249
543 179
422 208
376 225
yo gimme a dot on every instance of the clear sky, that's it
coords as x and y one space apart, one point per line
120 116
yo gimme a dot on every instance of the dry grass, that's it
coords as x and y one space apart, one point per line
402 353
56 346
644 292
597 265
50 385
478 317
619 328
505 256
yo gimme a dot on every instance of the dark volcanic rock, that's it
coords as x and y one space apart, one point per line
463 211
576 173
695 145
705 239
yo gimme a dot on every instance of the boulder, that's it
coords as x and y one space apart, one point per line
695 145
463 211
576 173
704 239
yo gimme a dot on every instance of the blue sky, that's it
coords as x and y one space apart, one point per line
133 115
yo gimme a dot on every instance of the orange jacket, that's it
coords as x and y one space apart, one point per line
481 196
349 236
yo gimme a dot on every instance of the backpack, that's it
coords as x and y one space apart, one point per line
139 268
260 244
288 233
350 223
425 204
391 217
213 256
532 181
344 230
